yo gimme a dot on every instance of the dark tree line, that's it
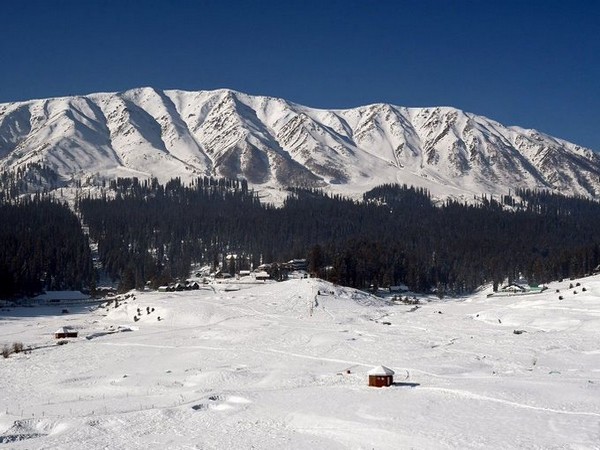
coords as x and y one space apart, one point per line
394 235
27 179
146 231
42 246
151 232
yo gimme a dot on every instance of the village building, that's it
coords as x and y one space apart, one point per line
381 376
50 297
297 264
220 274
521 287
262 276
65 332
514 288
399 288
105 291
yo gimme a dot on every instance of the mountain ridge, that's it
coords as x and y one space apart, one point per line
275 144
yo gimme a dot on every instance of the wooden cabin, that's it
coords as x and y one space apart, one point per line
65 332
381 376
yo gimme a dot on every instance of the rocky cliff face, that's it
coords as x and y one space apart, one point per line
274 143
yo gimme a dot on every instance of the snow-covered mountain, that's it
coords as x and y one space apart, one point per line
274 143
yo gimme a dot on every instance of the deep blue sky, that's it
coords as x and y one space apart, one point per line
533 63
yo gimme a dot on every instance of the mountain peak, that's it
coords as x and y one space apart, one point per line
274 143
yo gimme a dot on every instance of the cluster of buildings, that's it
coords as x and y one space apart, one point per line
180 286
264 272
519 287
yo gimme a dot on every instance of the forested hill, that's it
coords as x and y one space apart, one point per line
42 246
148 232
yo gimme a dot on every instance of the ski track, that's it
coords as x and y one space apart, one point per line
315 358
471 395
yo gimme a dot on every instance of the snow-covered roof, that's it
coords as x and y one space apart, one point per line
262 274
515 287
62 295
63 330
399 287
381 371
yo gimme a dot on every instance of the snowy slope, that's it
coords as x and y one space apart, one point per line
274 143
285 366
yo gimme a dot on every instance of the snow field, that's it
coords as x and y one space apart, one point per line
280 366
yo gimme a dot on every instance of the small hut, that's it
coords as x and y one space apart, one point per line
64 332
381 376
262 275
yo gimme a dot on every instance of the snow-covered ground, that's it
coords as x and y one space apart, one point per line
279 366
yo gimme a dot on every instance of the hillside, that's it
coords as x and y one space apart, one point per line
280 366
275 144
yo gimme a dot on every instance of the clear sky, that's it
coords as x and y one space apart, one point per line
532 63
